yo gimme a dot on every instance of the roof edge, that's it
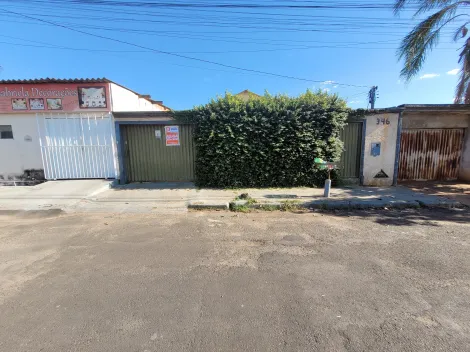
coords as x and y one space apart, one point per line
55 80
435 107
140 114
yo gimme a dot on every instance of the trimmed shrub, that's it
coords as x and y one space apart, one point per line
268 141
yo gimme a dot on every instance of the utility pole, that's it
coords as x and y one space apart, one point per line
373 96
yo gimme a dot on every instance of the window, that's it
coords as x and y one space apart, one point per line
6 132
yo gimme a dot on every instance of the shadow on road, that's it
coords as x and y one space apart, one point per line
411 217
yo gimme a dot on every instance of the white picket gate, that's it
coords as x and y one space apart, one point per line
77 146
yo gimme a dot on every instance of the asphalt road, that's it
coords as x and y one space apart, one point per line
386 281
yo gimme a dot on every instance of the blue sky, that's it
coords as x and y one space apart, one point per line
333 46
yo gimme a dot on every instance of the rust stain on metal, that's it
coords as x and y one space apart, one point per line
430 154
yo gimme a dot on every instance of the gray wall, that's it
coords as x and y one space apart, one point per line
443 119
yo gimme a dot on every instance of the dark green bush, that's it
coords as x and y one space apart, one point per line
269 141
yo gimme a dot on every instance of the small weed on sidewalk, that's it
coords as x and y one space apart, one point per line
245 204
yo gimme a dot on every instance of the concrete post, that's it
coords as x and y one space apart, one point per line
327 188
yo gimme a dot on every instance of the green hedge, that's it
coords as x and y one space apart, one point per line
269 141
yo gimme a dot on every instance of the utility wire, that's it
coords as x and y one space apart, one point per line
345 20
172 53
379 30
357 95
288 5
344 24
339 21
45 45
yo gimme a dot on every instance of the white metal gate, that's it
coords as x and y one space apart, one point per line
75 146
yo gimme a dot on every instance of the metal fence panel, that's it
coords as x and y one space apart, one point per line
430 154
351 136
149 159
77 146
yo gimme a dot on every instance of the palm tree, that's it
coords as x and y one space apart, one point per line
425 36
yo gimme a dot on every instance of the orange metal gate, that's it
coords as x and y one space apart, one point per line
430 154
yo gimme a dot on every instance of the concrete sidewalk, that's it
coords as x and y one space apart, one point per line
341 198
170 197
456 190
98 196
50 195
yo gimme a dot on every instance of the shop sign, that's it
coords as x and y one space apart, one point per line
24 98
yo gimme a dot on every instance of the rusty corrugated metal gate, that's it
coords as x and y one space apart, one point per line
430 154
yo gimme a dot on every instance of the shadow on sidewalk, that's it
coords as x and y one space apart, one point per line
155 186
457 190
354 192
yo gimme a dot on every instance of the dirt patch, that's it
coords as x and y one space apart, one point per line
33 214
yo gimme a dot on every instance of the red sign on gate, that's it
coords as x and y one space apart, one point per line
172 134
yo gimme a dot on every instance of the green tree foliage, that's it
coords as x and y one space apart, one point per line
425 36
269 141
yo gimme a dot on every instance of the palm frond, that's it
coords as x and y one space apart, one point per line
428 5
423 5
462 91
423 38
399 4
461 32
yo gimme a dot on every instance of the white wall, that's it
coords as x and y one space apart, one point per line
17 155
125 100
386 134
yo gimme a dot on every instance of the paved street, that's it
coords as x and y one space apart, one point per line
364 281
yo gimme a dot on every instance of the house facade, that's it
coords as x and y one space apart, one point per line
427 142
247 95
95 128
63 129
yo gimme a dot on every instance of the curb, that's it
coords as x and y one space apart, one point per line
114 184
441 203
391 204
205 205
235 205
323 204
266 206
362 204
332 204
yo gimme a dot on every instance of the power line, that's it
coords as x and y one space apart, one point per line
243 27
48 46
338 20
246 22
92 7
227 5
344 24
357 95
175 54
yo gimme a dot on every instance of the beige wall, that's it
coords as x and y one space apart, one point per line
126 100
18 154
386 134
139 119
435 120
444 120
247 95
